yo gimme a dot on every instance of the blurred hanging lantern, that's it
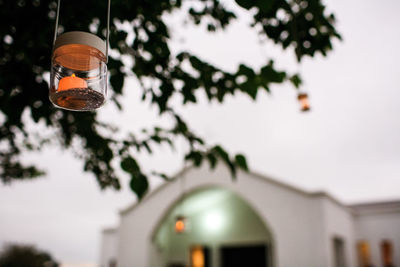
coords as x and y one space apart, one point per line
78 79
304 102
180 224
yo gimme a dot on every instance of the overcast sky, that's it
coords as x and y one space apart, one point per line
348 145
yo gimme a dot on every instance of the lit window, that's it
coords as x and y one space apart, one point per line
199 256
364 254
387 253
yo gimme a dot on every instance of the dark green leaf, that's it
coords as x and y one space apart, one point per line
129 165
240 160
296 80
247 4
139 185
196 157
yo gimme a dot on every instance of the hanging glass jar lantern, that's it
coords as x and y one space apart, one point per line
78 79
304 102
180 224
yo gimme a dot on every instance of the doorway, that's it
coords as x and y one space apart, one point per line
244 256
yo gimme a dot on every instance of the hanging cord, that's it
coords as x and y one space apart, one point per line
108 29
182 208
298 71
57 16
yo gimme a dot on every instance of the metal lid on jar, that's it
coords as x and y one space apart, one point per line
83 38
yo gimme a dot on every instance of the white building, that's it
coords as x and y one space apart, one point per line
253 221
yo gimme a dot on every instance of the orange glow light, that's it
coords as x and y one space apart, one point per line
179 226
78 57
72 82
364 253
198 257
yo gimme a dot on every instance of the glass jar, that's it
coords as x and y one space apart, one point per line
78 79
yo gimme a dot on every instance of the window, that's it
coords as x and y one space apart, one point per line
339 252
364 254
387 253
199 256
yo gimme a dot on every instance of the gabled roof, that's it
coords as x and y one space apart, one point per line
255 175
355 209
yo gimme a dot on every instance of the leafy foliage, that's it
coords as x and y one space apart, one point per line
25 50
25 256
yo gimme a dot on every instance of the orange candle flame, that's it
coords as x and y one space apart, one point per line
72 82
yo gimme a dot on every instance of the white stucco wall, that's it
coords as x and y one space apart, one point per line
294 218
109 246
338 222
378 222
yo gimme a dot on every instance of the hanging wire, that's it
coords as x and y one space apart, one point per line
108 29
182 189
57 16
